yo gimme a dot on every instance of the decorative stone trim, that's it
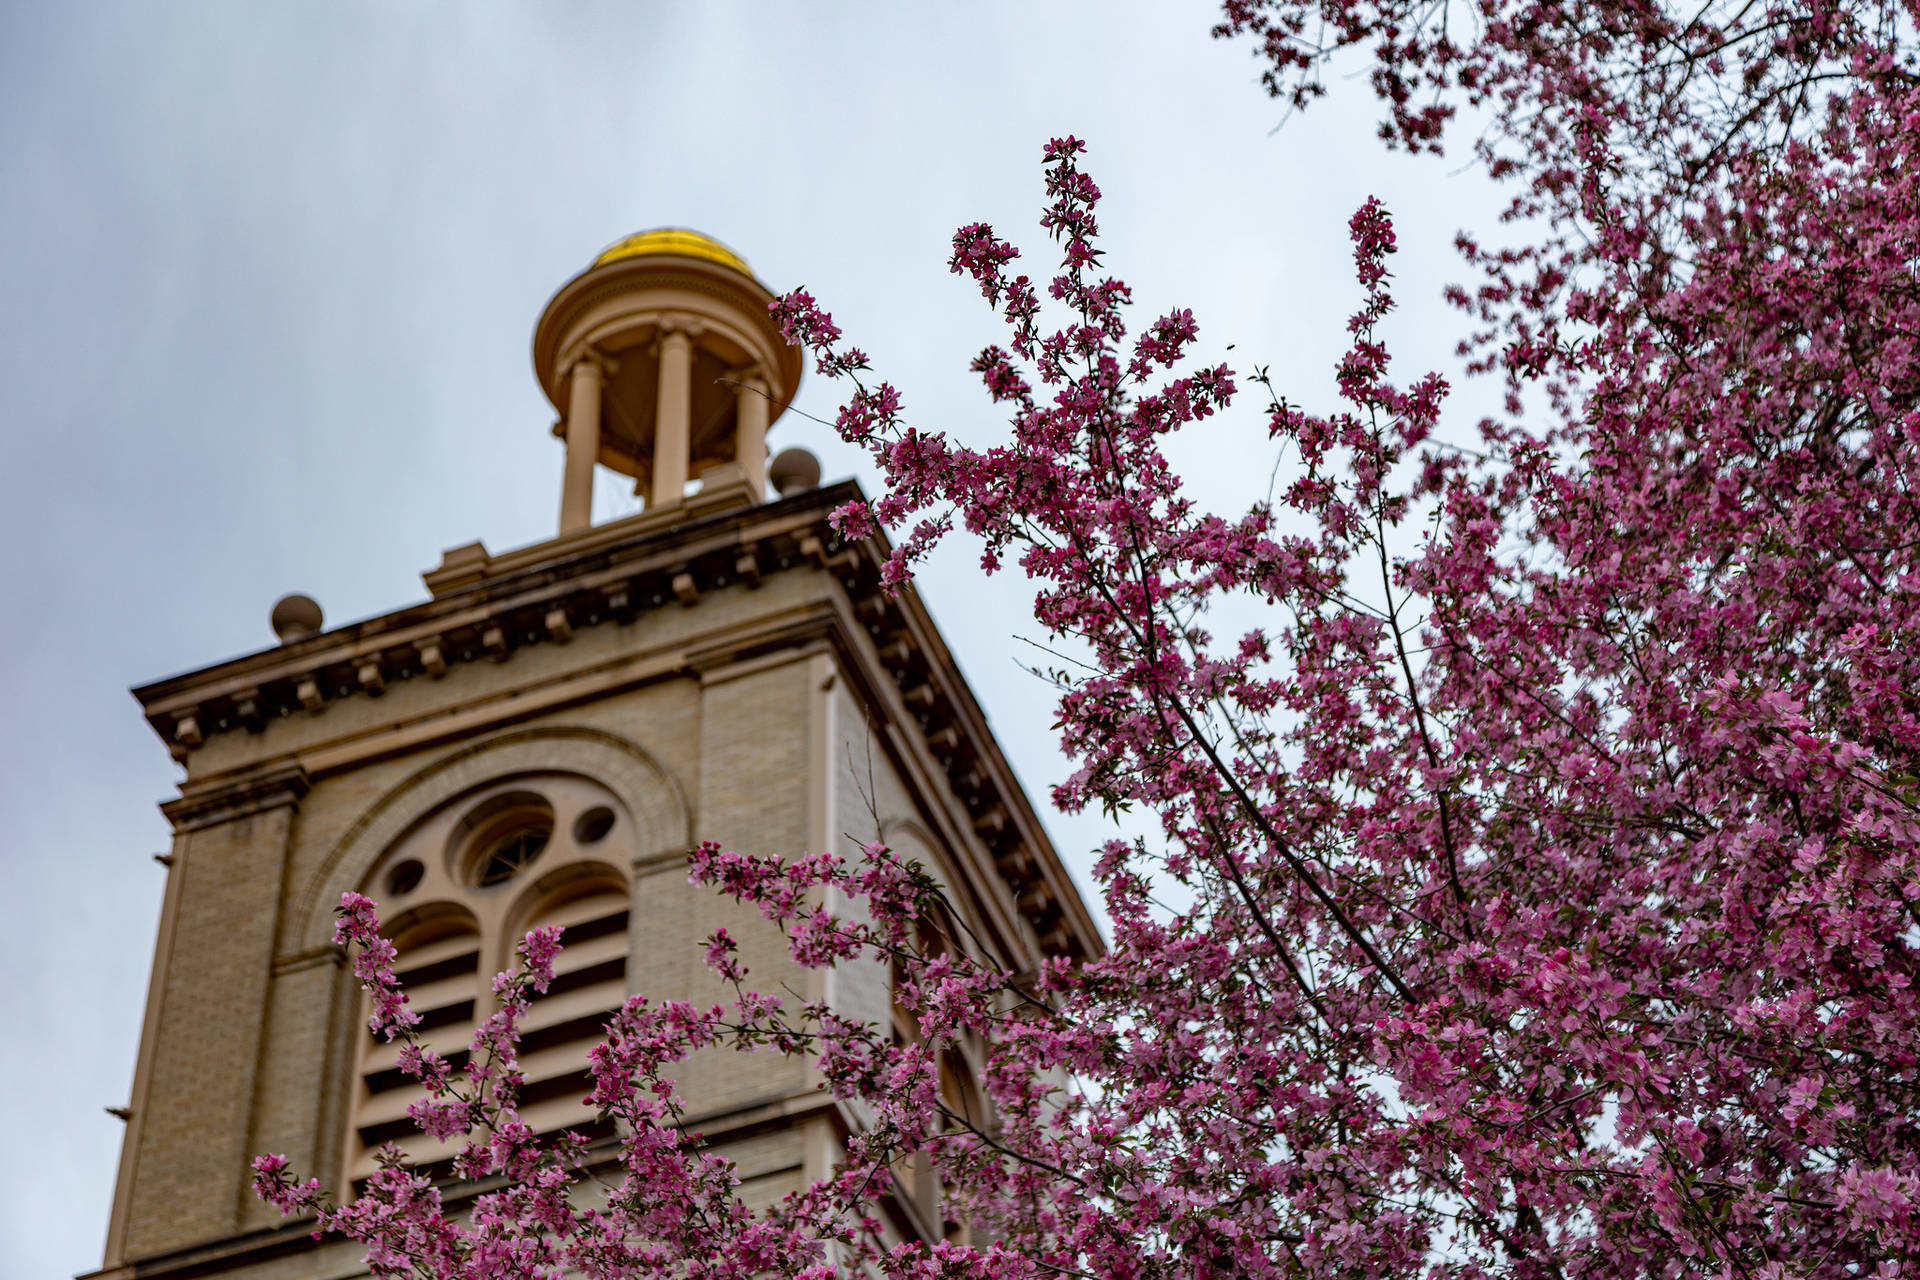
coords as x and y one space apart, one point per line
311 958
909 652
308 692
491 617
651 794
611 583
433 659
269 788
648 864
580 297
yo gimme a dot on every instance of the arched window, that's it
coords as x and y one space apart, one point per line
459 891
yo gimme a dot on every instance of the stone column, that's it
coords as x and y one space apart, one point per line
750 437
583 445
672 419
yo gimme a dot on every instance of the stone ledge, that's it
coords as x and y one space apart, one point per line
541 594
255 792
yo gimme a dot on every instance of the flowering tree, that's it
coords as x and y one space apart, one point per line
1535 892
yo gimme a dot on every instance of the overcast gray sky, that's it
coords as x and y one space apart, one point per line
268 274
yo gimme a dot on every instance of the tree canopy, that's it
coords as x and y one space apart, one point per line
1533 891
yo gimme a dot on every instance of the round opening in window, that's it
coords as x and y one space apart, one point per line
592 826
405 878
500 837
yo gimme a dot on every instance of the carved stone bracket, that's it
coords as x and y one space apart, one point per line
433 658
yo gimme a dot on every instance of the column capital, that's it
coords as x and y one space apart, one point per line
672 326
590 358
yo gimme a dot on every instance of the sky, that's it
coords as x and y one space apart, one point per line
268 279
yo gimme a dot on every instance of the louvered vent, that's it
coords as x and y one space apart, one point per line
440 973
461 889
590 983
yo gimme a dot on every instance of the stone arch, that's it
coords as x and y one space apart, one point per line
663 823
429 921
558 886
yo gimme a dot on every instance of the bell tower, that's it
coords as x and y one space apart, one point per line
541 739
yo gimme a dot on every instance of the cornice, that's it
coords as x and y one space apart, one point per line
940 709
627 276
489 619
888 642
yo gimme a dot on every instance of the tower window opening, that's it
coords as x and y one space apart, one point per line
592 826
405 878
509 855
501 837
459 916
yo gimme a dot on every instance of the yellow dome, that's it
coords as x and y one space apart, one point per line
680 240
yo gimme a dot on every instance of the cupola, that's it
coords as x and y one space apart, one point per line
665 365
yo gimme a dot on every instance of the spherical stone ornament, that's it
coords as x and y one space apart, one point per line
794 471
295 617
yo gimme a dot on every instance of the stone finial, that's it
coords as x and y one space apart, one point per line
794 471
295 617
